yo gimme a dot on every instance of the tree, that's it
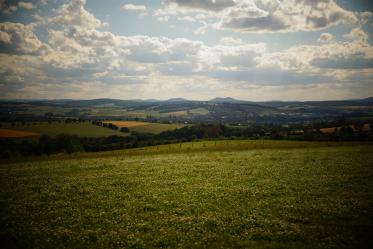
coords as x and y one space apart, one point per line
46 145
125 129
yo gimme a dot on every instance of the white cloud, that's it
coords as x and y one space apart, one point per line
337 59
5 37
264 15
26 5
230 41
207 5
365 17
286 16
357 35
163 18
77 50
325 37
8 10
186 18
73 14
18 38
133 7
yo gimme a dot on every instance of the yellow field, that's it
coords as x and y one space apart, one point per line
330 130
128 124
365 128
6 133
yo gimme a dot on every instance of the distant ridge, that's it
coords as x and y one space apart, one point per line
217 100
177 100
220 100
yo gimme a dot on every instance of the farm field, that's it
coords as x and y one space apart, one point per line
365 128
156 128
212 194
7 133
146 127
127 124
85 129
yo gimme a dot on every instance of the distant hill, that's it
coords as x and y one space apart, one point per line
177 100
225 100
220 109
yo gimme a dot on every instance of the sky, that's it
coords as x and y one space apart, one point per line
196 49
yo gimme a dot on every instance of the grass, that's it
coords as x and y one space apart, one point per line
201 111
85 129
127 124
232 194
156 128
175 113
146 127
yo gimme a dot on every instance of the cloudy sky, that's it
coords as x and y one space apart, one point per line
196 49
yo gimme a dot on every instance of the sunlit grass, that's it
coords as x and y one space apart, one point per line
224 194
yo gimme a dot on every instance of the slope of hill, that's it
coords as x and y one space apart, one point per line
224 194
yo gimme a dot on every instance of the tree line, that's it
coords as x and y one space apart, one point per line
63 143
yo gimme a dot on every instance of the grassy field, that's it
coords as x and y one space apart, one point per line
146 127
224 194
85 129
127 124
156 128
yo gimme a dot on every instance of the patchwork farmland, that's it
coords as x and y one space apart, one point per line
82 129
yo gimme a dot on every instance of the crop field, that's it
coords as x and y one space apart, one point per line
365 128
85 129
7 133
213 194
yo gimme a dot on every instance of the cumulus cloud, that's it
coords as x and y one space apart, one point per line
18 38
76 49
186 18
5 37
325 37
365 17
357 35
9 8
285 16
73 14
26 5
133 7
267 16
207 5
163 18
355 53
230 41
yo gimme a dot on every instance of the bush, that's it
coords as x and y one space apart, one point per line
124 129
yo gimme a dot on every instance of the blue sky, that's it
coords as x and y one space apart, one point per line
131 49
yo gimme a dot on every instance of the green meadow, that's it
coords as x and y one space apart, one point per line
155 128
212 194
85 129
